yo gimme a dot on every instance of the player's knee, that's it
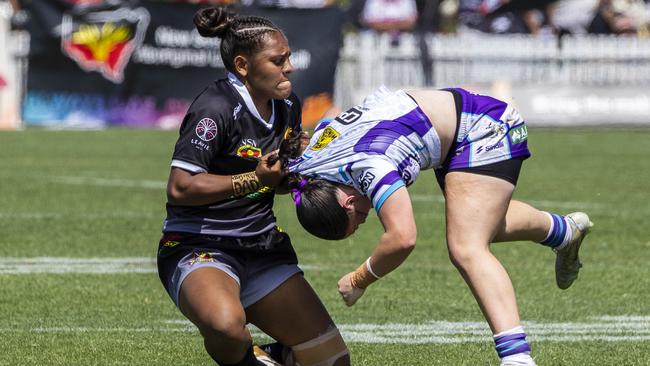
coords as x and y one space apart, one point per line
462 255
327 349
216 328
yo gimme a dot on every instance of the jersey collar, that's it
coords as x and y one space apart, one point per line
241 89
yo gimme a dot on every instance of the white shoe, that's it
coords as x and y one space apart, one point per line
264 357
567 262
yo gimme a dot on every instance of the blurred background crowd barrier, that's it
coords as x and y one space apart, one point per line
98 63
576 80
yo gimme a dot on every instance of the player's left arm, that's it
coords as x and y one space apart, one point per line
400 233
395 245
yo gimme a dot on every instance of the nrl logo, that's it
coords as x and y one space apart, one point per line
104 41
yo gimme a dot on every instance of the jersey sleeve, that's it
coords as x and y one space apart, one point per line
201 137
377 179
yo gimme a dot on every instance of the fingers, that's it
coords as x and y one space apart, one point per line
349 293
352 297
304 141
272 159
269 170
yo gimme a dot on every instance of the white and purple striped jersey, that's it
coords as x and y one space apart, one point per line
375 147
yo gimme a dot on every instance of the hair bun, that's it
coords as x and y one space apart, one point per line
214 22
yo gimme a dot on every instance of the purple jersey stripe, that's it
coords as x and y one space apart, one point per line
387 180
322 124
348 168
481 104
379 138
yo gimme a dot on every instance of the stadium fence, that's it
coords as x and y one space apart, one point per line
588 72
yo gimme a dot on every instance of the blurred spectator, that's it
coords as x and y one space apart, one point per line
18 16
395 17
620 17
436 16
391 16
209 2
398 16
296 4
506 16
573 16
447 16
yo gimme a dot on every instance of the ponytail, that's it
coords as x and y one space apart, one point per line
317 207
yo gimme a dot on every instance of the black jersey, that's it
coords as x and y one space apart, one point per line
220 135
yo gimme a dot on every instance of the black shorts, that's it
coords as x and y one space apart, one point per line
259 264
507 170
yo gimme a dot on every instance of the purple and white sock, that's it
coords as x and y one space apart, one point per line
560 234
511 342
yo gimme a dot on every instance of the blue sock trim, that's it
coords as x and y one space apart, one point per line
511 344
558 231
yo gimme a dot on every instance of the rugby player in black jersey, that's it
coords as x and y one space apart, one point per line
222 259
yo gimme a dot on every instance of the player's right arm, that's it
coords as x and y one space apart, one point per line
204 137
188 189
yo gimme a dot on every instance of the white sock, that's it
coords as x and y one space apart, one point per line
515 330
523 359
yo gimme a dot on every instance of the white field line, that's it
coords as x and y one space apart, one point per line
77 215
154 184
36 265
108 182
632 328
30 265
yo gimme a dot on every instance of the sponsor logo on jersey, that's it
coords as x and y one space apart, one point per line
206 129
289 103
519 134
325 138
104 41
489 148
202 257
249 151
409 169
365 180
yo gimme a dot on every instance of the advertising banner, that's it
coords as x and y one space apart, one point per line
94 64
570 106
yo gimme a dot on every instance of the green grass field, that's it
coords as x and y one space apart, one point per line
66 196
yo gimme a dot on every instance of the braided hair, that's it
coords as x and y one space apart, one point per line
239 34
317 205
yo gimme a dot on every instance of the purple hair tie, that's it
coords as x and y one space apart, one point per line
297 191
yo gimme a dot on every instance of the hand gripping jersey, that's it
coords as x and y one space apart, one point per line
223 134
375 147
